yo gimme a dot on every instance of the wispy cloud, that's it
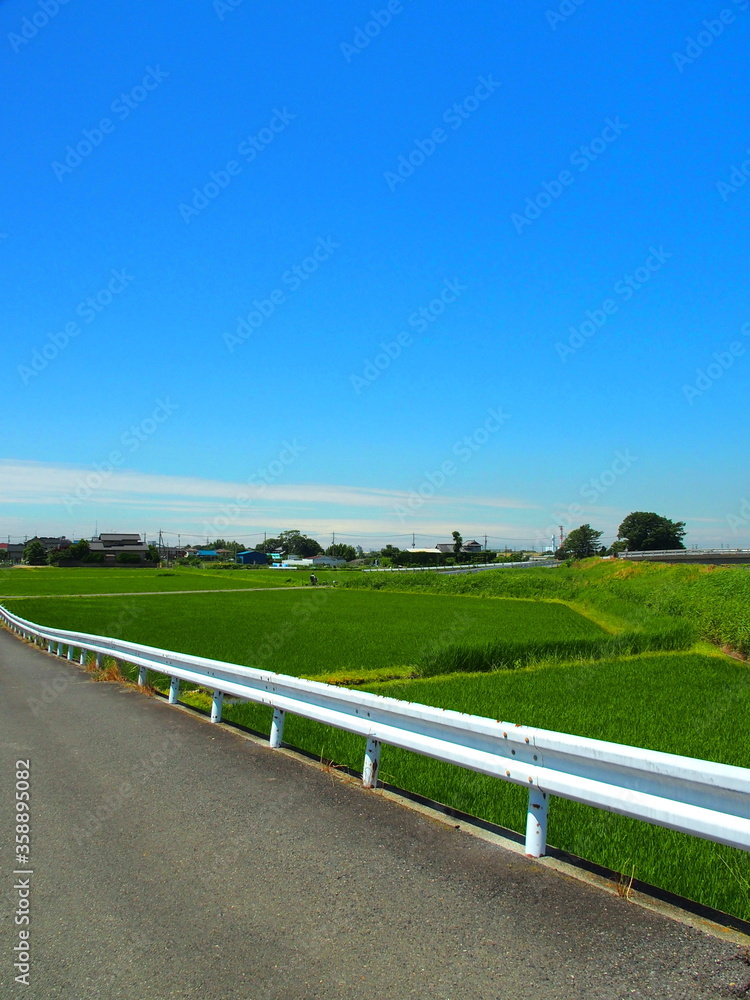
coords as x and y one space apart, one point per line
186 502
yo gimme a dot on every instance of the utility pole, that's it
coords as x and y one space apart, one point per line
413 540
561 535
485 543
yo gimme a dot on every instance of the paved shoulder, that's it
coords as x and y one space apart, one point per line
174 859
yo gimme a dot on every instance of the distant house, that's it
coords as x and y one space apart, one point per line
322 561
208 555
252 558
171 552
50 543
447 547
119 548
14 550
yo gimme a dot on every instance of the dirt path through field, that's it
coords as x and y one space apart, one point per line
157 593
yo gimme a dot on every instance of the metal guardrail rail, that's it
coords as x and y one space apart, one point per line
699 797
462 567
650 553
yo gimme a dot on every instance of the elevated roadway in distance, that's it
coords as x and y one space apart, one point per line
175 859
715 557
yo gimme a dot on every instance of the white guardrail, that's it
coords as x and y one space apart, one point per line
698 797
651 553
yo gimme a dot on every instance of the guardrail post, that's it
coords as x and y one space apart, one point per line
99 657
277 728
536 823
59 649
141 676
372 760
70 652
174 690
82 660
50 644
216 706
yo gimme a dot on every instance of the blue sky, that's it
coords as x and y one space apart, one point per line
274 266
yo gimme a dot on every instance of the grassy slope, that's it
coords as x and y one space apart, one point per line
313 632
715 599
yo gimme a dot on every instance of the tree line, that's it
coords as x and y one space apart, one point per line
641 531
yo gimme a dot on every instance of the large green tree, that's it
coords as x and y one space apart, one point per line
293 543
78 552
457 543
341 551
582 542
223 543
35 554
645 531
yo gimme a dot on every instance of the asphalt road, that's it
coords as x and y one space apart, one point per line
172 858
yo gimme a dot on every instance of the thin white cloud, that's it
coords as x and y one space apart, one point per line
32 482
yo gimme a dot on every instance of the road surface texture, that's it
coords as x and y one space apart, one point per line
172 858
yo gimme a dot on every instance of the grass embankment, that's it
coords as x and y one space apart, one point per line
714 600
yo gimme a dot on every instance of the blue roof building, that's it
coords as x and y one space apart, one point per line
252 558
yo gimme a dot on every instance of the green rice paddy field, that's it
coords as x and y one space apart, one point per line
314 632
546 648
48 580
